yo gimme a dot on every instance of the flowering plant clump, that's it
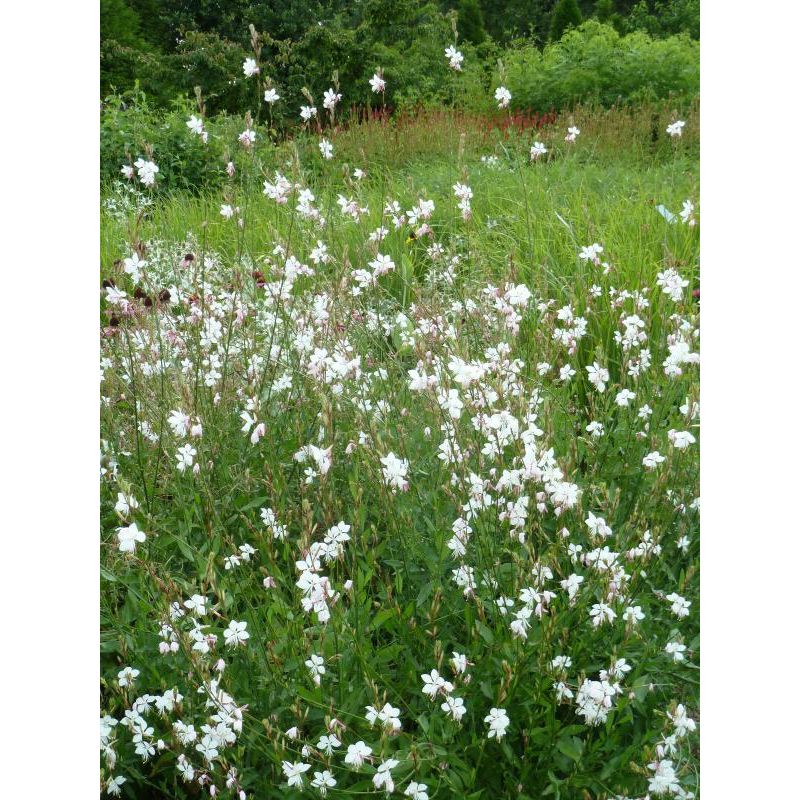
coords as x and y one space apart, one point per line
393 502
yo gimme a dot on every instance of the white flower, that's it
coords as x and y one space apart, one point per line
326 148
247 138
683 724
572 584
454 707
563 692
417 791
377 83
537 151
316 667
134 266
356 753
597 376
125 503
680 605
330 99
395 471
271 96
146 170
680 439
619 669
652 460
434 683
383 777
250 68
226 211
389 717
600 613
572 134
520 624
497 720
127 676
594 700
197 604
591 253
128 537
179 422
294 772
459 662
381 265
633 614
503 97
561 663
665 780
307 113
596 429
195 125
236 633
455 58
624 397
462 191
185 457
114 785
327 744
675 129
672 284
323 781
208 747
676 650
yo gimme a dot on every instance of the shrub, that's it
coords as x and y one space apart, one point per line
124 68
665 17
130 127
593 62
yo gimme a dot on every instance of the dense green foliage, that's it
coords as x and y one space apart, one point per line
131 127
171 46
594 62
660 17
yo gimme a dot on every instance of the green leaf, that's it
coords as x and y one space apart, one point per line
381 618
571 747
109 576
424 593
185 549
486 632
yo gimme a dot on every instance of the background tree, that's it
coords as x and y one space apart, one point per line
470 22
604 9
120 22
566 14
154 23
